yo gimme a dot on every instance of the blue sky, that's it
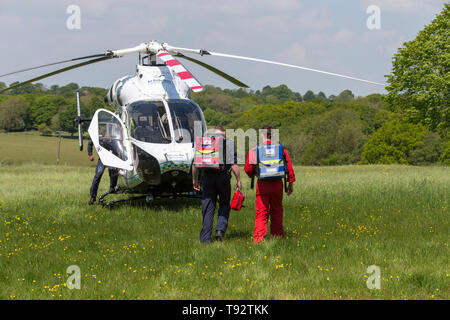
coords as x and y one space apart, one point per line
331 35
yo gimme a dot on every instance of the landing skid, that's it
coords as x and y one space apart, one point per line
148 197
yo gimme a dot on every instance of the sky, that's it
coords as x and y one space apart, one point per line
330 35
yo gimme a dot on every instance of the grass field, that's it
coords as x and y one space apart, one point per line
339 221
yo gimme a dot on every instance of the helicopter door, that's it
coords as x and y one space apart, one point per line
111 140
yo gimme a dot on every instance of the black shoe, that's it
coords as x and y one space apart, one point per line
112 190
91 202
219 235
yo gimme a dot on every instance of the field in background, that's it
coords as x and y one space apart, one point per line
30 147
339 221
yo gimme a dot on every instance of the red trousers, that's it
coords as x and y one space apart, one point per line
268 203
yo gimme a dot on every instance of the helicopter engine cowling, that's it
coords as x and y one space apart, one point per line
149 83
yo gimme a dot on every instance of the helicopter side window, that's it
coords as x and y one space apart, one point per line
149 122
110 135
184 115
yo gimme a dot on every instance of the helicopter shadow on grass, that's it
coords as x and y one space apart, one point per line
166 204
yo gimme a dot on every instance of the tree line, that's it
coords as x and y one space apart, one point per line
315 128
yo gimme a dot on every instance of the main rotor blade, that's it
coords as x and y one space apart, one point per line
216 71
291 66
206 52
180 70
58 71
55 63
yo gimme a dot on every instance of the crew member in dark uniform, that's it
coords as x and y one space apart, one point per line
113 175
217 184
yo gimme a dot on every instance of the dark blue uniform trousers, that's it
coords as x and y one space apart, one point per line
213 185
113 176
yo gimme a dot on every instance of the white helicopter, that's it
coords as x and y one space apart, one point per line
150 136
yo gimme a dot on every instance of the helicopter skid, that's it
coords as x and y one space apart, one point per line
149 198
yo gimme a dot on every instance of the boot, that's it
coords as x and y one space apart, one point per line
91 202
219 235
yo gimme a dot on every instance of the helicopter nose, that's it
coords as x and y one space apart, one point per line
148 166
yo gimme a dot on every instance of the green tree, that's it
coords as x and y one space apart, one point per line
44 108
345 96
309 95
419 84
67 118
13 113
392 143
427 151
445 157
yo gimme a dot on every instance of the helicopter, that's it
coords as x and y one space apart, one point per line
150 136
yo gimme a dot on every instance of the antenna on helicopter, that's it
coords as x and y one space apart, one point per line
79 121
80 135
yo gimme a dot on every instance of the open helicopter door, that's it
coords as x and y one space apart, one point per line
110 138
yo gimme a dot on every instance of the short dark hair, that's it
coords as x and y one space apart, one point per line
220 128
267 132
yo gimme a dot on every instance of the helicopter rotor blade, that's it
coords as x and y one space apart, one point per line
293 66
58 62
58 71
215 70
180 70
206 52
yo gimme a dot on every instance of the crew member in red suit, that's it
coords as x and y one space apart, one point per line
269 194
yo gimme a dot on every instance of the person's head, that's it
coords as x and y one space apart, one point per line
266 133
219 129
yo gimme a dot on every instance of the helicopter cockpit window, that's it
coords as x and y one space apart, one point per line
149 122
110 135
184 115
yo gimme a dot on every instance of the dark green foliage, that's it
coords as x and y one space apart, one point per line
44 130
392 143
316 132
345 96
427 151
309 95
44 108
420 79
66 118
13 114
337 138
445 157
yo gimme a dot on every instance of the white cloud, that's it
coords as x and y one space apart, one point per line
316 19
295 54
407 6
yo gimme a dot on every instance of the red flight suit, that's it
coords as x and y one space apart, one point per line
269 198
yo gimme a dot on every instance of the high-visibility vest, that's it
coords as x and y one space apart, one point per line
270 161
210 152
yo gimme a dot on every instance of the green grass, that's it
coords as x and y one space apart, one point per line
25 147
339 221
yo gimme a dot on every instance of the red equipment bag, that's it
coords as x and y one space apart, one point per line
238 199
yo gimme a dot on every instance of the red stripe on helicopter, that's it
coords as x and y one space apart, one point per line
172 63
185 75
179 69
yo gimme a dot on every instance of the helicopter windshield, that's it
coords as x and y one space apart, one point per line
149 122
184 114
